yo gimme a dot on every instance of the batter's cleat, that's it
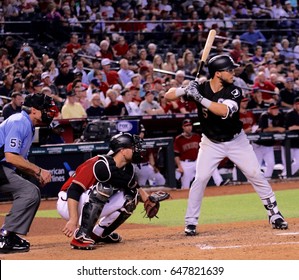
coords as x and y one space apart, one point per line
81 241
113 237
12 243
278 222
190 230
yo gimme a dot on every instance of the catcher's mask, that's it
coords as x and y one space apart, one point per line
127 140
41 102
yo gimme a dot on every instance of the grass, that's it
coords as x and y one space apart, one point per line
217 209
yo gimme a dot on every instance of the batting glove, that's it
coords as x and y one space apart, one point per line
192 91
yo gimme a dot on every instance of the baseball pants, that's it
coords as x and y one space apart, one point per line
109 214
210 154
26 200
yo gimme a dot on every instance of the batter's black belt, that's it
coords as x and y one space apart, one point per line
221 139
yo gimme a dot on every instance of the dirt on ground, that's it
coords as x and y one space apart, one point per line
231 241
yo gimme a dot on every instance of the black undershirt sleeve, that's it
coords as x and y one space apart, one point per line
74 191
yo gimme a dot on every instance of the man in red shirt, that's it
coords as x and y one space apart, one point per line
265 85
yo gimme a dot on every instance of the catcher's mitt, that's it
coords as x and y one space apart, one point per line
152 203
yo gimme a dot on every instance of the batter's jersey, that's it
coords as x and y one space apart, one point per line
16 135
187 147
215 127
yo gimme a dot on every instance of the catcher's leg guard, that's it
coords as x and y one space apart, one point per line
275 217
92 209
124 213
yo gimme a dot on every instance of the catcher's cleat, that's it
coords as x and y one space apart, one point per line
111 238
81 241
12 243
278 222
80 245
190 230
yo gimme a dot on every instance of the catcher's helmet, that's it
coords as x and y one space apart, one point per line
221 63
41 102
121 141
126 140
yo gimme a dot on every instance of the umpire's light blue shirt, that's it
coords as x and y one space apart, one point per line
16 134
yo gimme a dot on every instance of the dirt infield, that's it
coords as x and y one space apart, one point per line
233 241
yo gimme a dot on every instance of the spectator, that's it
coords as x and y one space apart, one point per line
253 36
80 69
151 52
14 106
270 121
122 47
132 109
180 77
54 92
124 73
258 58
106 51
96 109
170 63
51 68
111 75
17 85
73 46
115 107
269 91
286 51
157 64
72 109
7 86
149 106
189 62
236 52
169 107
65 76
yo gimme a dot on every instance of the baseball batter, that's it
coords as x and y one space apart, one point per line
218 102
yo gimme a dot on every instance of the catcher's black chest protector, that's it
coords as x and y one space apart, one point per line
106 171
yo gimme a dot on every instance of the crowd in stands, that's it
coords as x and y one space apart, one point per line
113 57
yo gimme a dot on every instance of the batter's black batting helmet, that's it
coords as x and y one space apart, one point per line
221 63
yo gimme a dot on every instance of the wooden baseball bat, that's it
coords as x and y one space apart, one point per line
206 51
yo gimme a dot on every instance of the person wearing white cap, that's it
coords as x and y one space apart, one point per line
112 75
51 89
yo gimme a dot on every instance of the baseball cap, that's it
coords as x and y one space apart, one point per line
296 100
289 79
187 122
106 61
63 65
71 93
273 106
117 87
95 82
17 80
45 75
37 83
256 90
244 99
148 93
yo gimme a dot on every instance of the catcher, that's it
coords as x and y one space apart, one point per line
104 191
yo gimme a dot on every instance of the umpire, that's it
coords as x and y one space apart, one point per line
16 136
